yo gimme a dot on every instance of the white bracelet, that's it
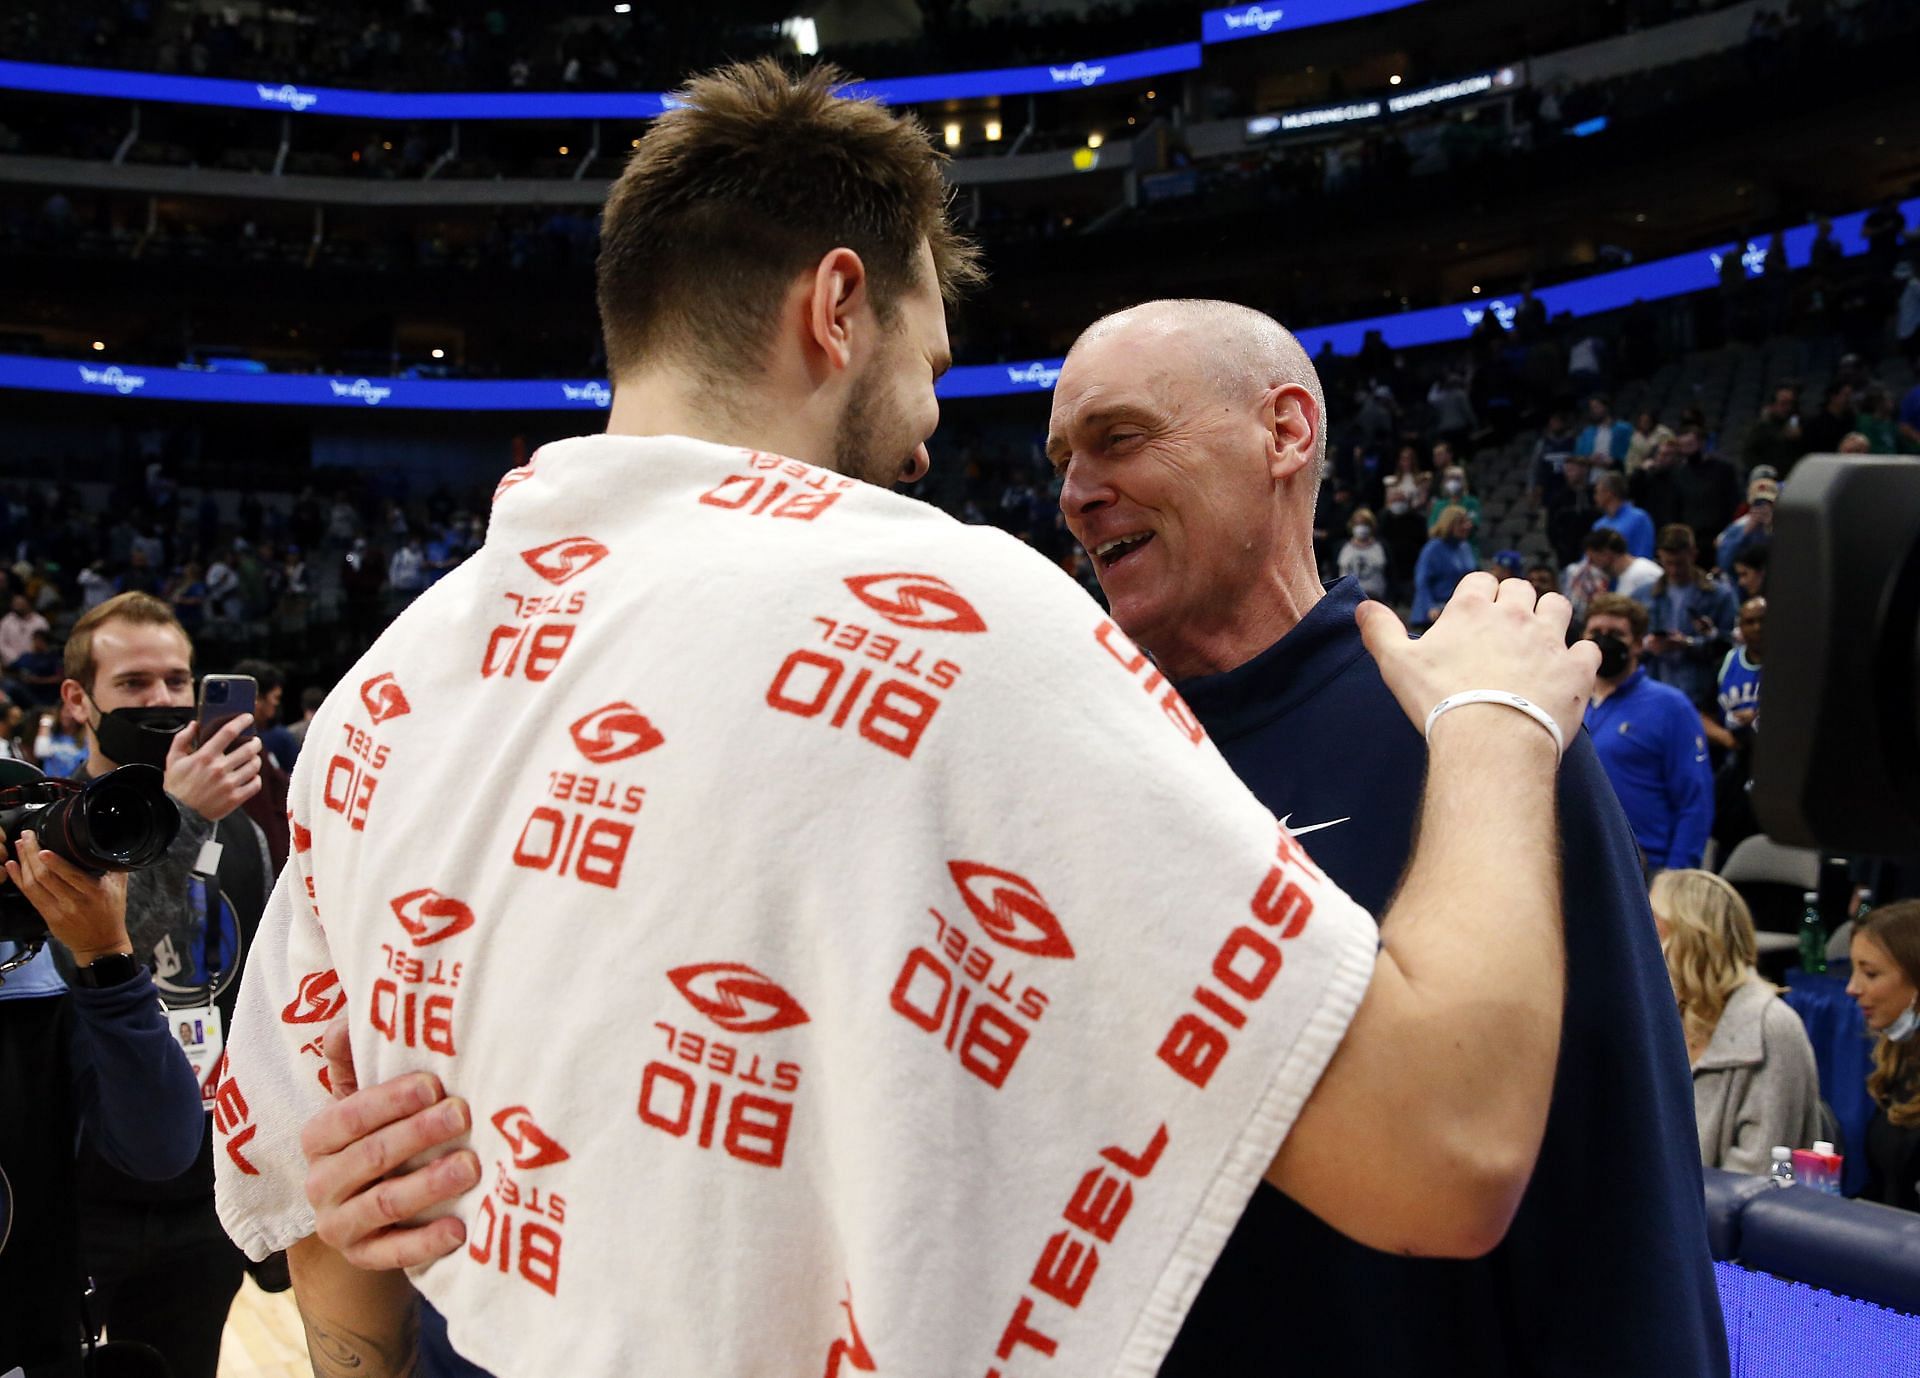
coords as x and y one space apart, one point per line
1501 696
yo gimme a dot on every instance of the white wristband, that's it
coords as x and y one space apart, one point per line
1501 696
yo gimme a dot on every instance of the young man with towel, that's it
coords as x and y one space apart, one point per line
784 1031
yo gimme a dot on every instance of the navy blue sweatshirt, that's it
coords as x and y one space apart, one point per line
93 1067
1606 1269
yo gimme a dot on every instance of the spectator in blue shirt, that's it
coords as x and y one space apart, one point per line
1445 560
1651 741
1610 492
1691 617
1750 528
1604 436
1907 423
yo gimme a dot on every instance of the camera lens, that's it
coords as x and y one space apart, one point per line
116 822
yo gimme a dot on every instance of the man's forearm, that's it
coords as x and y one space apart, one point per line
359 1324
1476 934
1423 1132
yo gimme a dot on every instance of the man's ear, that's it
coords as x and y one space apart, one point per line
1291 419
834 305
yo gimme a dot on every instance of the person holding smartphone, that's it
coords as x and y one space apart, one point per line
1690 618
164 1270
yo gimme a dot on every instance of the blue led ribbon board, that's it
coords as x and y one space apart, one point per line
1259 21
1668 277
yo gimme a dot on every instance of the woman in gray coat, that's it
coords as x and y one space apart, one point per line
1754 1080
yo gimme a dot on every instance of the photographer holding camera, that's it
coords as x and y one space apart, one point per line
88 1059
165 1271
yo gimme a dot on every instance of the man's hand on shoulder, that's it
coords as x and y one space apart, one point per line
212 781
355 1145
1492 635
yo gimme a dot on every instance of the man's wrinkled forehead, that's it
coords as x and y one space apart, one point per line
1147 366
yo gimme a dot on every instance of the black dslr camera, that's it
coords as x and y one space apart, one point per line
122 821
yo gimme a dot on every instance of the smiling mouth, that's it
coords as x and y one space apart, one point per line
1111 553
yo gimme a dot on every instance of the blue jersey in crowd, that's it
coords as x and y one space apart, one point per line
1650 740
1438 571
1606 1269
1635 528
1739 687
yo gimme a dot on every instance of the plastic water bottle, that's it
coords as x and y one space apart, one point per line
1813 935
1781 1173
43 743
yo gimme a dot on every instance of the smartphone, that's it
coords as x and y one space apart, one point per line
222 699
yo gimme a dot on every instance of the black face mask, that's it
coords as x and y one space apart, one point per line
1613 654
140 736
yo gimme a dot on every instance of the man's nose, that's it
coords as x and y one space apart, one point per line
1081 492
916 465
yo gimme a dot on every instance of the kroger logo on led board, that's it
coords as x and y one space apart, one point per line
370 393
288 95
1253 17
1081 72
597 393
1036 373
112 377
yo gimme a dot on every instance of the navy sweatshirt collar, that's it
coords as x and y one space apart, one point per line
1285 675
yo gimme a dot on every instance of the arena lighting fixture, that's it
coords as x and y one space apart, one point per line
953 136
993 131
1394 80
1095 140
439 353
805 35
623 9
1476 289
99 345
563 150
636 143
1152 94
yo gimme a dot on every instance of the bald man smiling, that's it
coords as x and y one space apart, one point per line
1189 436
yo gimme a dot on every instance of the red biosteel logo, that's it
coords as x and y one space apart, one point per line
614 733
564 558
532 1147
512 479
737 998
925 602
429 916
1012 911
318 999
384 699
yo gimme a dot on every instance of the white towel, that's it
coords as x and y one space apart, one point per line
855 955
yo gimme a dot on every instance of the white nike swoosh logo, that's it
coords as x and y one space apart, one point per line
1312 827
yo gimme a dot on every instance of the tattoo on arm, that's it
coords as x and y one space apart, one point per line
337 1351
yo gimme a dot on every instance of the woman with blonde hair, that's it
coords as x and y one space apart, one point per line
1755 1084
1886 985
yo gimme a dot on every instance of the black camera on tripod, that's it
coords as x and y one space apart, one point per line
122 821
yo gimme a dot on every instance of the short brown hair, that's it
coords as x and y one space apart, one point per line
1606 538
1676 536
753 179
141 609
1619 605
